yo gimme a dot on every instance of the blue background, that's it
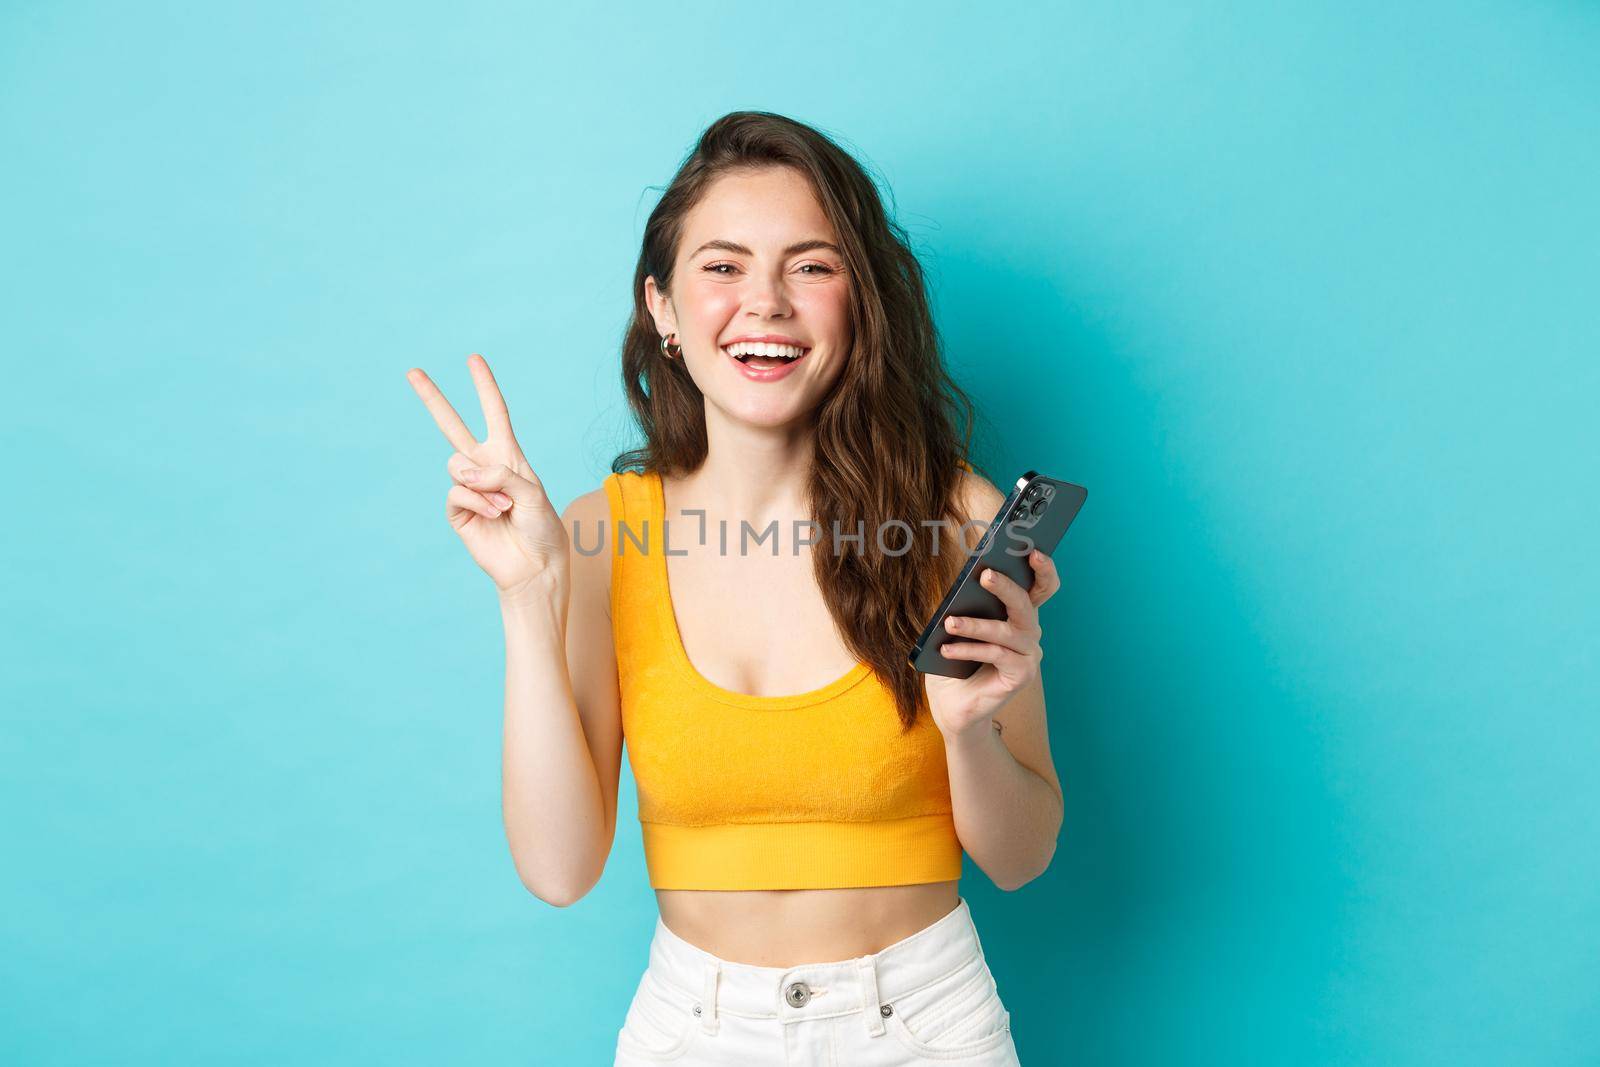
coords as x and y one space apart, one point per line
1304 293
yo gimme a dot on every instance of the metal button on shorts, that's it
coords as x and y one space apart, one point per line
797 994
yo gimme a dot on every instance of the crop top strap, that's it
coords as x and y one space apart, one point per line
634 541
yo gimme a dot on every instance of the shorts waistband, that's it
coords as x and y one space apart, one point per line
710 985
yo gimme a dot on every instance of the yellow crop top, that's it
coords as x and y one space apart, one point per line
812 790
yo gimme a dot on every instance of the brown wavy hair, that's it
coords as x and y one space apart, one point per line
890 438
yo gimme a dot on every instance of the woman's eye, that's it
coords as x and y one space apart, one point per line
716 268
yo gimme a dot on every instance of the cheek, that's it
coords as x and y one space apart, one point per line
825 309
709 307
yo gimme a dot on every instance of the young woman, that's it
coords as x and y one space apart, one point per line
737 600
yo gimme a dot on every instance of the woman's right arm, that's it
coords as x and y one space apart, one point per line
563 728
563 725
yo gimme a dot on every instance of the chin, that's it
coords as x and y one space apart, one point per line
765 416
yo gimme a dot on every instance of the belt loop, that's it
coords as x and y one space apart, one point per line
870 1008
708 997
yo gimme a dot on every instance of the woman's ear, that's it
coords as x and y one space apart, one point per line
660 307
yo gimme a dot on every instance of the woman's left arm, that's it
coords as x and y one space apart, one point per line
1004 789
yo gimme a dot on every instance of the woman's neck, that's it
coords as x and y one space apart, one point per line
754 474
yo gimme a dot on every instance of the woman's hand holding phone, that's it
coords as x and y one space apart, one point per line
1008 648
497 505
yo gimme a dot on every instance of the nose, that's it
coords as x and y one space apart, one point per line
767 298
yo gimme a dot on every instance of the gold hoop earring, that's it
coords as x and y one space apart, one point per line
668 349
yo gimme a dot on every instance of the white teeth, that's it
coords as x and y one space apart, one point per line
761 348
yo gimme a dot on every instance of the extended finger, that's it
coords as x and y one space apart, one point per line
495 415
999 631
1019 608
1046 579
460 499
455 431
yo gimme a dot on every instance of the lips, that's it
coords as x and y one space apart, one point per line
766 338
804 352
775 371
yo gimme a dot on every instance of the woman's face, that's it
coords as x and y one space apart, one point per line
758 258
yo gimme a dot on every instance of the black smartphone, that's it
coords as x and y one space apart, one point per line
1035 514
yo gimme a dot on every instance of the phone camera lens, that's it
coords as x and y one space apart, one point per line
1038 508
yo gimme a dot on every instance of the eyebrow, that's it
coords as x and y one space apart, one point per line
739 249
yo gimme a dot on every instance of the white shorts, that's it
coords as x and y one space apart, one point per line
926 999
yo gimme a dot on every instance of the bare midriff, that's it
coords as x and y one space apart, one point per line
789 927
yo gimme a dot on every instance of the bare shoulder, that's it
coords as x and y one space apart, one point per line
589 506
588 523
979 500
980 495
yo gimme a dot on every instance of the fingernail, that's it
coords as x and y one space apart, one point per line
954 624
470 474
503 500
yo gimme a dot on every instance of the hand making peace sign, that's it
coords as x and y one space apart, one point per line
497 505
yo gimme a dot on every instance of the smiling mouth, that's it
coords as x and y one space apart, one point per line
767 361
